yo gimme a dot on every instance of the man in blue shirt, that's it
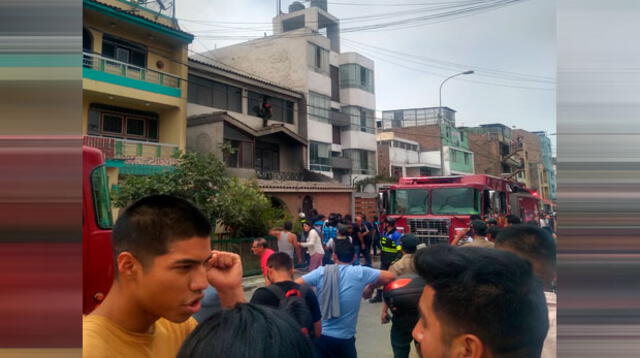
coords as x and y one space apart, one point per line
340 311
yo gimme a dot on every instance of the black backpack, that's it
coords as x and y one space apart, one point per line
293 302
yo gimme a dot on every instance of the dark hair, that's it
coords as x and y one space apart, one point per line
307 222
475 217
533 223
288 226
147 227
490 293
533 243
492 221
344 250
479 227
347 219
513 220
493 231
261 242
247 331
375 218
343 230
280 261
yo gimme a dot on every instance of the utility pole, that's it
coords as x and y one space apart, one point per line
440 119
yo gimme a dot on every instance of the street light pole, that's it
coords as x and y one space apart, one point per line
440 121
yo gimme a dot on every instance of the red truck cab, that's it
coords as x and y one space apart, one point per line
434 208
97 256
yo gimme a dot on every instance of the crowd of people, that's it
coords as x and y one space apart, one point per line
489 294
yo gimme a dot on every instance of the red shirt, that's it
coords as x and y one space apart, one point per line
263 260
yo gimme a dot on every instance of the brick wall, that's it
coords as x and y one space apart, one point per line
324 202
486 152
383 158
427 136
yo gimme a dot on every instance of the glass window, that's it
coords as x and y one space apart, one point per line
320 156
319 107
124 50
112 123
455 201
289 112
234 99
219 95
409 201
318 58
466 158
135 126
153 129
94 122
101 199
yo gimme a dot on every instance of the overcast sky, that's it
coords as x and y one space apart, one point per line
519 39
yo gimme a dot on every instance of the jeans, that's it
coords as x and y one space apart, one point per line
330 347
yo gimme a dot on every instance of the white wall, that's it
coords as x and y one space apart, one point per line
277 59
319 131
399 155
319 82
431 158
357 97
358 140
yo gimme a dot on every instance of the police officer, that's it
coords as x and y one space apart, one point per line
404 318
390 243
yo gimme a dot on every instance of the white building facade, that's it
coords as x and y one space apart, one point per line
304 54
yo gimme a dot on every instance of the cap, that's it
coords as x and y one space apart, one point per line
302 215
409 243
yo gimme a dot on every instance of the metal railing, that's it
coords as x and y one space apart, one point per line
117 147
118 68
276 175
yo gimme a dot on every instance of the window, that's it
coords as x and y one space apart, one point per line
364 161
454 155
101 199
112 123
354 75
281 109
135 127
320 156
455 201
409 202
319 107
362 119
242 156
318 58
124 51
335 83
210 93
267 156
467 157
122 123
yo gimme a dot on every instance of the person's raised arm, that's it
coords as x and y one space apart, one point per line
224 272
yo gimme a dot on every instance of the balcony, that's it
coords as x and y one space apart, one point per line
282 176
341 163
108 70
339 119
116 148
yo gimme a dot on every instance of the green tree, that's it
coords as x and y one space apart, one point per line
202 179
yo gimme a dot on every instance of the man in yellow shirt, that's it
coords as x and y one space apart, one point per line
163 263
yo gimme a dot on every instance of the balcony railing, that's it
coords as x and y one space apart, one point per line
341 163
125 148
118 68
339 119
275 175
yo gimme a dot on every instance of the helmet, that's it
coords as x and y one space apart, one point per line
390 221
302 215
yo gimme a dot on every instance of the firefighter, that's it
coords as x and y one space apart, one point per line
390 243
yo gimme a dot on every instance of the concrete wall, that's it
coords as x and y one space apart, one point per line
358 140
278 59
206 138
320 131
357 97
384 158
399 155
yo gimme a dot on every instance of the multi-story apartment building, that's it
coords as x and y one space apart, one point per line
304 54
497 151
134 85
410 140
547 161
221 110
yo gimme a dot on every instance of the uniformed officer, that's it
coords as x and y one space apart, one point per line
403 321
390 243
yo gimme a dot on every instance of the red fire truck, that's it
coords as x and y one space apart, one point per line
97 257
434 208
